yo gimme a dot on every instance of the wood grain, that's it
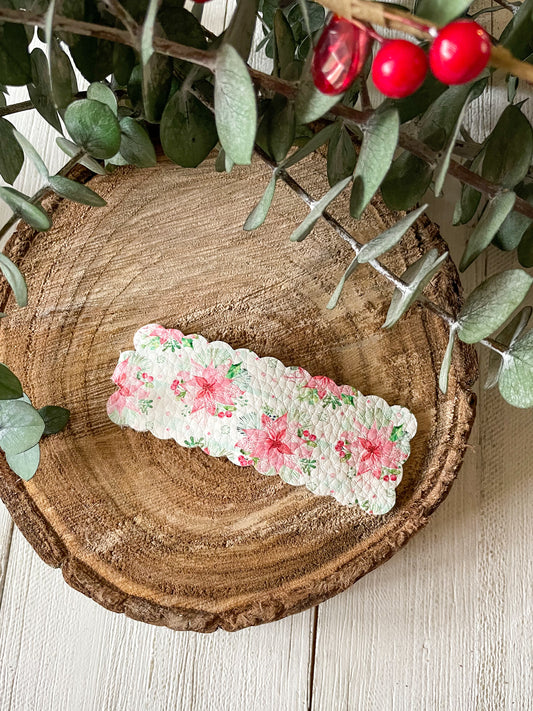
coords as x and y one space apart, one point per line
167 535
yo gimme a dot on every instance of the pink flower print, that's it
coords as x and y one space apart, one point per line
164 334
323 386
375 448
209 387
128 385
296 375
276 444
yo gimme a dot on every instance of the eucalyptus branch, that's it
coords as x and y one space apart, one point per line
507 6
118 10
380 268
266 82
42 192
16 108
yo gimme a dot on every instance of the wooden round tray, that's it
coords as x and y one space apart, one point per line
172 536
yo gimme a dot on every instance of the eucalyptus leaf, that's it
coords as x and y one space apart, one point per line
235 107
54 418
341 155
390 238
15 280
516 375
71 149
123 63
156 83
188 132
32 154
310 103
62 76
467 205
406 182
181 26
507 338
340 286
94 127
416 277
519 37
25 464
416 104
441 11
491 303
380 138
21 426
525 248
446 363
75 191
509 149
491 221
97 91
40 89
240 31
135 144
258 215
285 45
11 155
515 224
15 64
10 387
301 232
310 146
34 215
281 127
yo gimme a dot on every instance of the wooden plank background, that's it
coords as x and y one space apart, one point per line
446 624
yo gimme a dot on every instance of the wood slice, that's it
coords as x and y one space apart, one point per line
172 536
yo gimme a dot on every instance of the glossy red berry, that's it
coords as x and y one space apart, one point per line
399 68
339 55
460 52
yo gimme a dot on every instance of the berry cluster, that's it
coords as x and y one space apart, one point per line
458 54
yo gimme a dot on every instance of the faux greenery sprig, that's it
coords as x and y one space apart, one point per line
157 76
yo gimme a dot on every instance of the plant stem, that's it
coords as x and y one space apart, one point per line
270 83
117 9
16 108
507 6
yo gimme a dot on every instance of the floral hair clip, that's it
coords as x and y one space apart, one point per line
257 412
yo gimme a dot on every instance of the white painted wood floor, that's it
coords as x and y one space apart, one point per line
445 625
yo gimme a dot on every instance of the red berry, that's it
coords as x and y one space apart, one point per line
339 55
399 68
460 52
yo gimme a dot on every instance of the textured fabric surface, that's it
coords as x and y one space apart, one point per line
257 412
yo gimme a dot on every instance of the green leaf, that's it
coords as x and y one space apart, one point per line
515 224
406 182
10 387
15 280
380 138
75 191
301 232
463 98
71 149
281 127
32 154
156 83
509 149
54 418
441 11
491 304
15 64
34 215
123 63
390 238
341 155
62 77
491 221
310 146
516 375
240 31
25 464
518 38
40 89
417 277
311 103
147 35
525 248
446 362
135 144
467 205
11 155
181 26
101 92
285 46
507 338
94 127
21 426
235 108
340 286
188 132
258 215
234 370
416 104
